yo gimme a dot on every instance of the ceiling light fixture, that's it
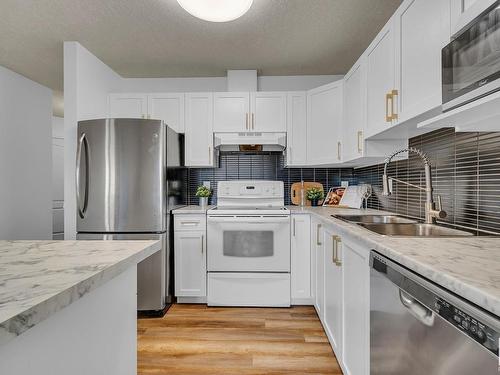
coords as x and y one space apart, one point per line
216 10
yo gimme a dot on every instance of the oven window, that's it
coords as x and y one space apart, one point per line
248 244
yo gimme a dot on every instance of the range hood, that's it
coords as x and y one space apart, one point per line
250 142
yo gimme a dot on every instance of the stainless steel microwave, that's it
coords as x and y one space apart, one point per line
471 61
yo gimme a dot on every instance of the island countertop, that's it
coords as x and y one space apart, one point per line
39 278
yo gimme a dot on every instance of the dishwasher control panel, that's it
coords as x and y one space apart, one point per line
474 328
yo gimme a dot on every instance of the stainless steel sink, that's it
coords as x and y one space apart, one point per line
375 219
414 230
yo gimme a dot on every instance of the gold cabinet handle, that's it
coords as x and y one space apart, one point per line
339 145
246 120
209 155
360 141
294 227
336 242
253 121
202 243
394 115
318 241
334 250
388 97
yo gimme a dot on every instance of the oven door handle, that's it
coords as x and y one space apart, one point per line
249 220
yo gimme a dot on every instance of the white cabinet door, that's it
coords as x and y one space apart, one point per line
333 291
301 258
353 126
423 29
356 337
268 111
168 107
316 243
128 105
190 264
324 120
380 69
199 130
296 137
319 295
231 111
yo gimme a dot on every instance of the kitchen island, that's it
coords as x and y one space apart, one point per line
69 307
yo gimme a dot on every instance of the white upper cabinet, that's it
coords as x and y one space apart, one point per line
132 105
324 124
380 68
268 111
199 130
231 111
296 149
423 29
353 127
168 107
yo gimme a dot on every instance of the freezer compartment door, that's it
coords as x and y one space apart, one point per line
121 175
154 274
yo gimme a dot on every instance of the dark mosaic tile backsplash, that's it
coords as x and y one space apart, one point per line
466 173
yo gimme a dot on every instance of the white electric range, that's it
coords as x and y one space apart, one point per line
248 245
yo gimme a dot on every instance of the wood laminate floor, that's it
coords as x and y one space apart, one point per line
196 339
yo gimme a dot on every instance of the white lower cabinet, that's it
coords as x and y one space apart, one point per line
356 306
190 257
341 293
301 259
333 289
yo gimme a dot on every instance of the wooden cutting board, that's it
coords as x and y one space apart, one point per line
295 191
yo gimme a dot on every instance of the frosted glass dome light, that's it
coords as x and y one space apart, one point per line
216 10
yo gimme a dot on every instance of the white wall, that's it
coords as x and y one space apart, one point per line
25 158
87 82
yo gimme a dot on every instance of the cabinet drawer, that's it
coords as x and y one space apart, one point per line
190 222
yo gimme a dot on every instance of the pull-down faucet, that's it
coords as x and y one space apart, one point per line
431 213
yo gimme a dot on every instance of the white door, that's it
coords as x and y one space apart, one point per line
354 123
333 291
380 67
131 105
231 111
190 264
316 243
324 116
319 298
268 111
296 137
168 107
356 351
423 29
199 130
301 257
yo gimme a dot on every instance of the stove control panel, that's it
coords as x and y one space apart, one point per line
246 189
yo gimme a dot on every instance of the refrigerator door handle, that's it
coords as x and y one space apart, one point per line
82 142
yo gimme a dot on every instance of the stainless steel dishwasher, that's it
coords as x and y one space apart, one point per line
419 328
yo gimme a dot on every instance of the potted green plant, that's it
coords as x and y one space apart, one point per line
314 195
203 193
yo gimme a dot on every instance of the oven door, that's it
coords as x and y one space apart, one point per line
471 62
248 243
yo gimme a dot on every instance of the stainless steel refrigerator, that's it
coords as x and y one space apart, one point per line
122 189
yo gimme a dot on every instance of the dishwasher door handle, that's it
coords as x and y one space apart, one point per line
419 311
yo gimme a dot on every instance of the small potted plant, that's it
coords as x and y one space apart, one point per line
203 193
314 195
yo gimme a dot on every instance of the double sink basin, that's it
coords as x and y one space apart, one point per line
394 225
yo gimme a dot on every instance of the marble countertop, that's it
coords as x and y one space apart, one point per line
192 209
467 266
39 278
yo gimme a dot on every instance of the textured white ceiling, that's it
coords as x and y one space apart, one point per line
157 38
